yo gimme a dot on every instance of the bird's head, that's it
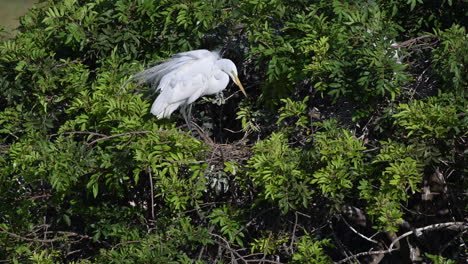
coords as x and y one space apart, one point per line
230 68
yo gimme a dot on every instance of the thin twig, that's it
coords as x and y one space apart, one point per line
263 260
344 250
46 227
151 191
203 134
293 233
40 196
126 243
359 234
410 42
232 8
186 161
119 135
200 254
306 215
79 132
228 246
105 137
73 252
66 234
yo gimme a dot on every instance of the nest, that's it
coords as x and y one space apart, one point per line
237 151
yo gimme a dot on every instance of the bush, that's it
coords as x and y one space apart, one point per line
354 130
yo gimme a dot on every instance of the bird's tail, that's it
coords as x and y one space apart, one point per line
153 75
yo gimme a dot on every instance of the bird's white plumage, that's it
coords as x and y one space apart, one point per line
186 77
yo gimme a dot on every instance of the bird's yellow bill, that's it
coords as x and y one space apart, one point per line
237 81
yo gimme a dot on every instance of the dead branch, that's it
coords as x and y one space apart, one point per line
291 245
357 233
227 246
418 231
64 233
79 132
411 42
131 133
106 137
263 260
126 243
151 192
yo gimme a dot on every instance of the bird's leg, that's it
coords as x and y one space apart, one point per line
190 113
183 111
220 98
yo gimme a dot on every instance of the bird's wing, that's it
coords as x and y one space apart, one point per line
198 54
189 79
172 66
177 93
182 90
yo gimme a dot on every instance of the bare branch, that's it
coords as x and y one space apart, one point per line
359 234
451 225
151 192
232 8
79 132
411 42
65 235
263 260
186 161
105 137
119 135
127 243
291 245
227 246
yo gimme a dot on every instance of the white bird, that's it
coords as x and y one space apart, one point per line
186 77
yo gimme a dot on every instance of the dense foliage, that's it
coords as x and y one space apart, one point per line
350 147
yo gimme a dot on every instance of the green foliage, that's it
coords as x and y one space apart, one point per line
310 250
227 219
267 245
436 259
170 245
275 168
295 110
341 156
88 175
399 171
430 119
451 58
248 118
314 43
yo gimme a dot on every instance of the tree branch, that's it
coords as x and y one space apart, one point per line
410 42
457 225
151 192
359 234
64 233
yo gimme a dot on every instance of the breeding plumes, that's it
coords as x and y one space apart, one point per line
185 77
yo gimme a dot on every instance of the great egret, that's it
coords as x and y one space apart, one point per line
186 77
